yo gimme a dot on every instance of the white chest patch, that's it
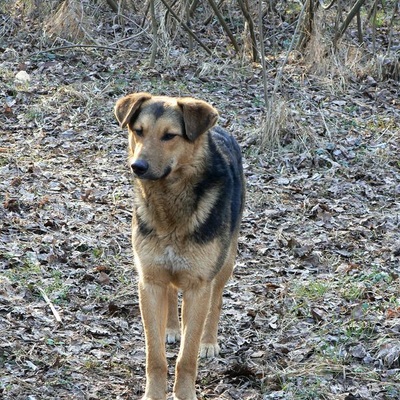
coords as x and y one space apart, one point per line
173 261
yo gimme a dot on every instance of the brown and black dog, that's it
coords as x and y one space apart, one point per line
189 197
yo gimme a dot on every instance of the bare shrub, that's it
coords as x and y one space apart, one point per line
29 8
70 22
338 62
274 124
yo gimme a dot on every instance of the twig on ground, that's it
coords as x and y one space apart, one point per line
83 46
47 300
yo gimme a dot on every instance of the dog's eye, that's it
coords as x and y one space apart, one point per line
168 136
139 132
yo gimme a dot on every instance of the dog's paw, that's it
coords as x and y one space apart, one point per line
153 398
173 336
209 350
187 395
185 398
149 397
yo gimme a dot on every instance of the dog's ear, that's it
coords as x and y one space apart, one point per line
126 107
198 116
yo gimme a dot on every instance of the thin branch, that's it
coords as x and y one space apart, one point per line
224 25
145 13
171 6
395 9
127 39
72 46
308 24
375 9
359 27
210 17
187 29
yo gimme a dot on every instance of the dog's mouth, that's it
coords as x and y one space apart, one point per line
142 171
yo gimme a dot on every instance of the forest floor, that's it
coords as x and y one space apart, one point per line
313 308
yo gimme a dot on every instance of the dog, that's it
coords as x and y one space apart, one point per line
188 204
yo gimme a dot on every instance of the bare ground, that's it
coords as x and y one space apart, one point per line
313 309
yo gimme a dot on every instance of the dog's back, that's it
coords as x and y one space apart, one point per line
230 153
224 170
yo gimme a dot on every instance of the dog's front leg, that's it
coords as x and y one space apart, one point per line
173 328
153 307
195 306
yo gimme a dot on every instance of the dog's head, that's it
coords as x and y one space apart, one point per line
164 132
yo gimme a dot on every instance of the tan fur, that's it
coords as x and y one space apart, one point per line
167 258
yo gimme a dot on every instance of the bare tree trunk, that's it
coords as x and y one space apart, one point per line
262 52
359 27
154 26
187 14
375 9
353 12
244 5
307 26
209 18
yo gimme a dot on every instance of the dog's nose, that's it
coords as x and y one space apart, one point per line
139 167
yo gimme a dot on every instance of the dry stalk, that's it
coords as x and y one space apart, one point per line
276 113
274 123
70 22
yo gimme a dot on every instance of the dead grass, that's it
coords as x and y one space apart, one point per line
70 22
275 124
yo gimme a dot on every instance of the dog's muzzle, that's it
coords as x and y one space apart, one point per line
142 170
140 167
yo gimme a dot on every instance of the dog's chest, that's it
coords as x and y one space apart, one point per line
172 260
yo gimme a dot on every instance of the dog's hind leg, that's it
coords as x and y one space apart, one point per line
194 311
209 344
153 306
173 329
